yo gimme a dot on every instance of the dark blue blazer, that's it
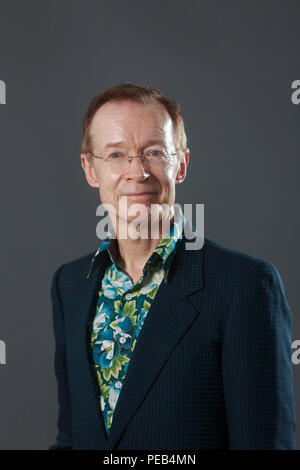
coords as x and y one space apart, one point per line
211 368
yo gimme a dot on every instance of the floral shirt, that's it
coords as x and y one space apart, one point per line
120 313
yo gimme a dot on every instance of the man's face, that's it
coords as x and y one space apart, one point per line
133 127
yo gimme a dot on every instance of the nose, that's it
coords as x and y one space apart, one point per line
137 169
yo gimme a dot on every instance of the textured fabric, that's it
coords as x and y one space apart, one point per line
121 310
211 368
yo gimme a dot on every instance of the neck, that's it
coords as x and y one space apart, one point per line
132 254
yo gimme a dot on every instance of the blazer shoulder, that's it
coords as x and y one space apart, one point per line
72 271
224 258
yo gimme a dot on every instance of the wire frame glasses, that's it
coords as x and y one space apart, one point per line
154 157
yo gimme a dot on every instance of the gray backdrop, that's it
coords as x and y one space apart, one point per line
229 63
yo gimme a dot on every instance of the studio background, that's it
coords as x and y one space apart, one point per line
229 63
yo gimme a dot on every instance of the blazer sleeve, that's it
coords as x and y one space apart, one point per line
64 436
256 364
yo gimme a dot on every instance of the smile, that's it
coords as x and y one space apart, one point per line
139 195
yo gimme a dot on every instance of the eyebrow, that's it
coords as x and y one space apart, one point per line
148 142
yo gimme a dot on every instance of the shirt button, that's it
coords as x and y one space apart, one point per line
118 385
128 296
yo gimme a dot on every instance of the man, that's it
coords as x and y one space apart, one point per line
159 346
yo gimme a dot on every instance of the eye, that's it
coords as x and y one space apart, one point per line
156 153
114 156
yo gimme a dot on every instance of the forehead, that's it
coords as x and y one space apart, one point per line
131 122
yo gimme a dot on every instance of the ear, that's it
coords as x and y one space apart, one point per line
90 174
181 173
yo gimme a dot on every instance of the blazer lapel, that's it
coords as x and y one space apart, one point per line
84 310
169 317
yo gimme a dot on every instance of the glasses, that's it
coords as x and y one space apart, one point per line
155 157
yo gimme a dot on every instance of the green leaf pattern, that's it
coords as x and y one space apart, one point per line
118 321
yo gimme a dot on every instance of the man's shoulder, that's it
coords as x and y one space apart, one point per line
217 250
224 259
76 269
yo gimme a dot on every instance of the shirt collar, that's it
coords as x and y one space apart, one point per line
163 253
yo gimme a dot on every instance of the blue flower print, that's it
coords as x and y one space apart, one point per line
114 392
105 349
119 318
115 282
103 317
124 332
141 319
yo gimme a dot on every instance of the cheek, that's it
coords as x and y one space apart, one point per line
171 170
107 188
168 180
107 181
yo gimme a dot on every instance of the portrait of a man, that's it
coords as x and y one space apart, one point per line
159 346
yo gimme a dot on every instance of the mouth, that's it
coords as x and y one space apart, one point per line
137 195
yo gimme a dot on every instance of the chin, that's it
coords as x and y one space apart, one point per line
130 217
